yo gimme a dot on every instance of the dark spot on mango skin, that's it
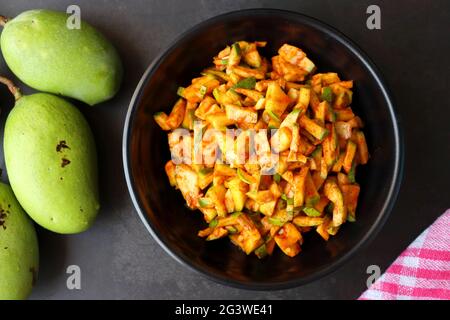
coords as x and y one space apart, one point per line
65 162
34 276
3 215
62 145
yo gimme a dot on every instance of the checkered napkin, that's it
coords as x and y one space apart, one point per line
422 271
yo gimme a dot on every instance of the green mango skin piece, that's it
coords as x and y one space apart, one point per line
46 55
19 250
51 162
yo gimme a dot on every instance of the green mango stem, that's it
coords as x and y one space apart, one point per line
11 87
3 20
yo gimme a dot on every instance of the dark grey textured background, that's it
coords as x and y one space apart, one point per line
120 260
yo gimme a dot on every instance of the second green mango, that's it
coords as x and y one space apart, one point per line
48 56
52 163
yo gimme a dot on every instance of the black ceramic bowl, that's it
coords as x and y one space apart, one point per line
145 149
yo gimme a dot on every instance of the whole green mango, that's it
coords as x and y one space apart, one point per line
19 252
51 162
44 53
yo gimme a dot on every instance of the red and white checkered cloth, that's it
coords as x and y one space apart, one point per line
422 271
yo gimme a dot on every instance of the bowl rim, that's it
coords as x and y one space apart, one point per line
395 182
